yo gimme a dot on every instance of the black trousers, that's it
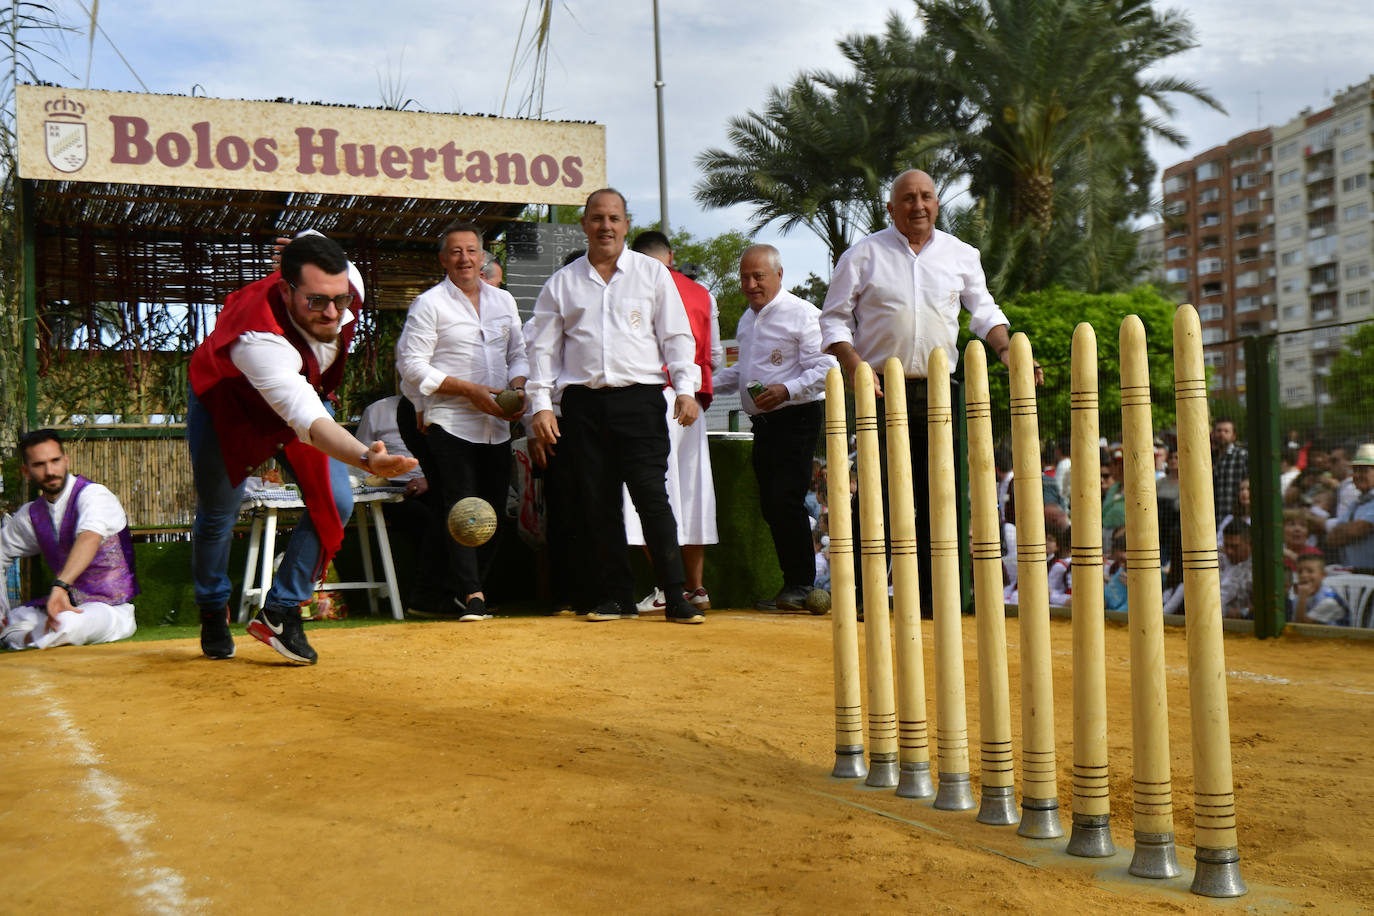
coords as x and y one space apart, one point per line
460 469
612 436
919 439
784 445
569 567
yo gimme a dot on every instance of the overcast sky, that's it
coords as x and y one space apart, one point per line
719 60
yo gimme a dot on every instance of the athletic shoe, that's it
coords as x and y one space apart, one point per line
699 599
215 639
765 604
681 611
653 602
791 599
476 610
612 610
281 629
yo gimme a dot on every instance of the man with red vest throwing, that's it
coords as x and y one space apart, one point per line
261 386
691 488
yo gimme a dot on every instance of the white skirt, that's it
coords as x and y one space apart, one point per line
691 489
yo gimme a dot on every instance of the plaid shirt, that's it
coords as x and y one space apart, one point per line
1229 468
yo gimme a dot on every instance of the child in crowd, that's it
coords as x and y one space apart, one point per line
1310 600
1058 547
1114 593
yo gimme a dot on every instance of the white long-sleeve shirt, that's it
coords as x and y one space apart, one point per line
586 331
779 344
445 336
273 366
887 301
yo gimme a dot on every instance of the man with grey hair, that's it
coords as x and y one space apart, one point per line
492 272
460 347
898 293
780 378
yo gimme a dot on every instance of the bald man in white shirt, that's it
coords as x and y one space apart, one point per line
461 346
898 292
604 327
780 347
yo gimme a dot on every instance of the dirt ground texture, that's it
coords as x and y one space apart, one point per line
552 765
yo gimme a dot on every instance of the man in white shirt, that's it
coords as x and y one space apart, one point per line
460 348
82 532
780 349
262 384
603 329
898 293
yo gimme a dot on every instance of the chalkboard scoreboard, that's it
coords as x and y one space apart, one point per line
533 252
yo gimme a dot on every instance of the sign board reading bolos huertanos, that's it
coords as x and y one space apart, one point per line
129 138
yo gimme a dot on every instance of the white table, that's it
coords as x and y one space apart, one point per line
264 504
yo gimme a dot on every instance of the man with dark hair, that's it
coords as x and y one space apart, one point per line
1230 465
262 384
82 532
603 329
691 488
461 346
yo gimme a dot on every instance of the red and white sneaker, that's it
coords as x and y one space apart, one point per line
653 603
698 599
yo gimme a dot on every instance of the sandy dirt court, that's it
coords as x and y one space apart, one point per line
533 765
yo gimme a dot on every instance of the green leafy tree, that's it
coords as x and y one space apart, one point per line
1048 319
1351 382
813 290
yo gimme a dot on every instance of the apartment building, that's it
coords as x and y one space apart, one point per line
1322 177
1219 247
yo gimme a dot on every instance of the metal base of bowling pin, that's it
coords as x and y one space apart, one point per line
998 807
1040 819
1218 873
882 771
1091 837
955 793
849 762
1155 856
914 781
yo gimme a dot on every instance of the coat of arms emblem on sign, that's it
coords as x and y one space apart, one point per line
65 134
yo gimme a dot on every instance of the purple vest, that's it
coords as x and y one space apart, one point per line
110 577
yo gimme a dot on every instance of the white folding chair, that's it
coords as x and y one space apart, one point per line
1357 590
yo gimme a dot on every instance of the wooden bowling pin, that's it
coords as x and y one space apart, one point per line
1091 834
951 716
1039 790
1214 801
882 704
849 731
913 728
996 769
1153 795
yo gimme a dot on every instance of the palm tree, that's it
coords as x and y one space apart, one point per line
822 151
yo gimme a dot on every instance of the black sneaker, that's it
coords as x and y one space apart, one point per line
475 610
215 639
680 610
613 610
281 629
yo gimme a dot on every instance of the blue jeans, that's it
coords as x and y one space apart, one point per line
217 509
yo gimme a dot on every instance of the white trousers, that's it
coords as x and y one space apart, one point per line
97 622
691 488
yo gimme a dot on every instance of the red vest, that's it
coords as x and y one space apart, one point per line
249 430
698 302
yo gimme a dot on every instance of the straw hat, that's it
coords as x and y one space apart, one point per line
1364 455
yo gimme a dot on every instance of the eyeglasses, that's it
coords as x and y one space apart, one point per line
320 303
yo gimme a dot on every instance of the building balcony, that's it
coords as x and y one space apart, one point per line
1321 232
1323 314
1319 260
1319 288
1267 299
1266 247
1317 203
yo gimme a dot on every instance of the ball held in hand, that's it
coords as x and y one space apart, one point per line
472 521
510 401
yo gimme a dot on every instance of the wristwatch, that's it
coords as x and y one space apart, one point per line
58 583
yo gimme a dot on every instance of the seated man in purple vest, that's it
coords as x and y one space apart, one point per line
262 384
80 529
